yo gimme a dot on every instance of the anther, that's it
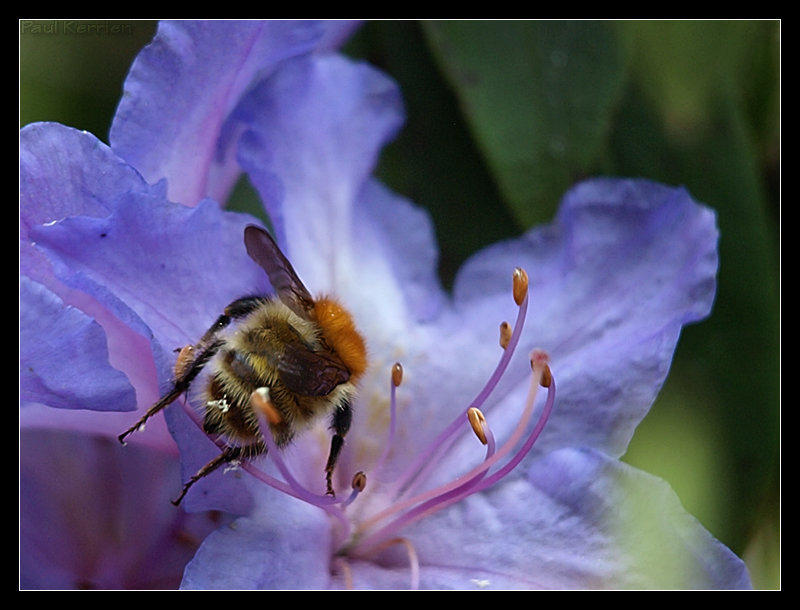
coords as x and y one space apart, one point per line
505 334
478 422
547 377
520 285
359 481
397 374
260 400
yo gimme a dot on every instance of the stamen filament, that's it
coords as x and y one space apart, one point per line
413 559
292 487
396 380
482 468
297 489
529 442
473 481
443 441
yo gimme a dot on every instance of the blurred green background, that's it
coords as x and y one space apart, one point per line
503 116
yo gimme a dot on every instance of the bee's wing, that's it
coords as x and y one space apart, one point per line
310 373
264 251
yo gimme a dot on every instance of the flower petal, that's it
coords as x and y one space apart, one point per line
581 520
626 264
58 344
284 545
173 267
314 132
96 515
66 172
181 89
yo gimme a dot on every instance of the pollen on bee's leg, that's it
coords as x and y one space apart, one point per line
184 359
261 401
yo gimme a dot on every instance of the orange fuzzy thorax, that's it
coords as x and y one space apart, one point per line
341 334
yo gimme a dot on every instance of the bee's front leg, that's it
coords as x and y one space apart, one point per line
193 358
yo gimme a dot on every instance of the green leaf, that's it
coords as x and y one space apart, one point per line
538 97
693 116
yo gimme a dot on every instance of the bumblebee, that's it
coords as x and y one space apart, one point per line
298 356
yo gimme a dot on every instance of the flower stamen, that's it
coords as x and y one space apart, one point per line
442 442
379 530
396 380
478 423
425 504
413 559
520 285
359 481
260 400
358 485
412 508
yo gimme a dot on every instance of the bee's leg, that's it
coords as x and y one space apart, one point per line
191 361
188 371
230 454
193 358
340 423
241 307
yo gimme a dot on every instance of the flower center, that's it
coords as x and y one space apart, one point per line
402 506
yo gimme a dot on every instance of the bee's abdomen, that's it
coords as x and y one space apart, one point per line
228 410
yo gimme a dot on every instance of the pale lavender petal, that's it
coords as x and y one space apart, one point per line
613 280
395 257
66 172
581 520
314 132
625 265
59 344
173 267
154 274
286 547
181 90
94 514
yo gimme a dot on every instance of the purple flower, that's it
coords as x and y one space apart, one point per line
126 256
